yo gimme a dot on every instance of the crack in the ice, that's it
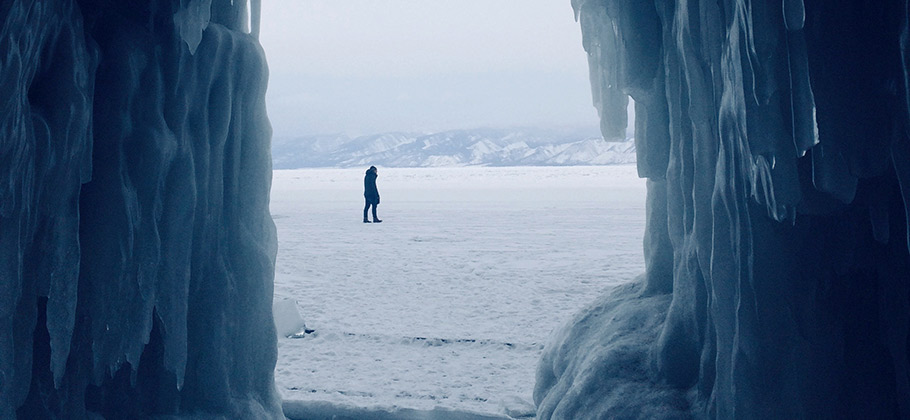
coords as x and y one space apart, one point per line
434 341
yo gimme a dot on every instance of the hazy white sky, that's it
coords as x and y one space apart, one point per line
369 66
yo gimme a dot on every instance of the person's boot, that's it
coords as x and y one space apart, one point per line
375 220
366 221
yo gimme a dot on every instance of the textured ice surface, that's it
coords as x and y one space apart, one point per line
605 348
775 139
137 248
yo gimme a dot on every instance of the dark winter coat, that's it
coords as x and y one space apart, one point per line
369 188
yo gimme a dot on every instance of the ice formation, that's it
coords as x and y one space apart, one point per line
137 247
776 140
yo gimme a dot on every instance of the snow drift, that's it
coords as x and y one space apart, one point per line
775 139
137 247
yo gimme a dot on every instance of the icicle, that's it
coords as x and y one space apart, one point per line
191 20
255 17
794 14
830 173
802 100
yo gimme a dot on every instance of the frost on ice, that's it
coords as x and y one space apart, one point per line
137 248
776 140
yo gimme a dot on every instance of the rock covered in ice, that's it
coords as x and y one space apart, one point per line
137 247
776 140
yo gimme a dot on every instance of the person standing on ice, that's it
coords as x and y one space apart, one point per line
371 194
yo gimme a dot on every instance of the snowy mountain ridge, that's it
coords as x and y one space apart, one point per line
480 147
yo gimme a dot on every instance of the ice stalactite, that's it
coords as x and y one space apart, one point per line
137 247
776 140
598 41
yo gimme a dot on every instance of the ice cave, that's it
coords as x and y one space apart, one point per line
138 249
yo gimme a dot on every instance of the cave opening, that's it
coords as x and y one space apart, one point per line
448 302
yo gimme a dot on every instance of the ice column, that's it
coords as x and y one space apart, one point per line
137 247
776 140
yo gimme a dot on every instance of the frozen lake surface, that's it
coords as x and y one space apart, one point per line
449 301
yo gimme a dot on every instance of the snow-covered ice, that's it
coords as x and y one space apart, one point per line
449 302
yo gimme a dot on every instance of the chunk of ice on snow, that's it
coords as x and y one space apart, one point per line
287 319
518 408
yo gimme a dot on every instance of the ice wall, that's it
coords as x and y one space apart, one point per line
776 140
136 247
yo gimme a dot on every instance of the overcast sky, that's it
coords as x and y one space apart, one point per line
370 66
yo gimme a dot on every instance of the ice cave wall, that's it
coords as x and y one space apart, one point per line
137 247
775 136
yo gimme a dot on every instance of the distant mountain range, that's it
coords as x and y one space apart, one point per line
480 147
